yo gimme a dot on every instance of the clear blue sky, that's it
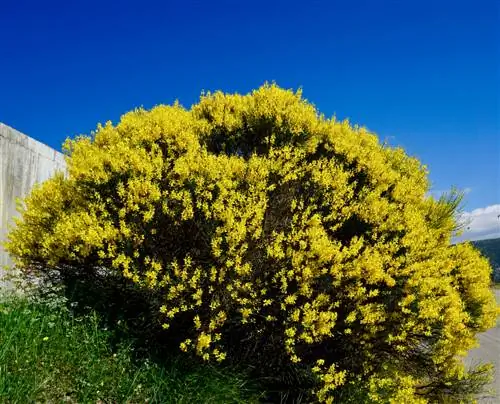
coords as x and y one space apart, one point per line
422 74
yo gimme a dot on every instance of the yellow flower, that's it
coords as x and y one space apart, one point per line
204 341
197 322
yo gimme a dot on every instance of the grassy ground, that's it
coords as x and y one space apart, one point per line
48 355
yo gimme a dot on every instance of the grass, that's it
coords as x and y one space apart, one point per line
49 355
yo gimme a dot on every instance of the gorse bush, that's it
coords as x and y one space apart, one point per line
273 235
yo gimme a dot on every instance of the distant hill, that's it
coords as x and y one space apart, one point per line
491 250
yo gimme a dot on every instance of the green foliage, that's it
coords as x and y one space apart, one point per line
491 250
49 355
271 235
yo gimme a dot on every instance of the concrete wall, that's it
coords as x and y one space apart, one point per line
23 163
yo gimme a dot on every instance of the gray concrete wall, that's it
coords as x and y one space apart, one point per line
23 163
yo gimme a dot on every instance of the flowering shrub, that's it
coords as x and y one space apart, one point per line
264 224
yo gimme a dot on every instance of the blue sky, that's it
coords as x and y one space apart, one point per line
422 74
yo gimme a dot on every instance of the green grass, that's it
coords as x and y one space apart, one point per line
48 355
